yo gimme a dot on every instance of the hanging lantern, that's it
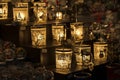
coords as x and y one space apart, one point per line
77 31
100 52
59 34
40 11
63 58
38 36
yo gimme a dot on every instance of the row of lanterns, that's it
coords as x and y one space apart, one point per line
38 34
83 55
23 12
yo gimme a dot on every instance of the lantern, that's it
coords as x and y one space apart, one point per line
100 52
38 36
40 11
63 58
3 10
77 31
85 50
78 55
59 34
20 13
59 15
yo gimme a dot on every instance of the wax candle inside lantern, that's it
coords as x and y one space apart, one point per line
20 16
100 52
59 15
63 58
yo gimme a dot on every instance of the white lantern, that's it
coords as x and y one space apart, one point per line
63 58
100 52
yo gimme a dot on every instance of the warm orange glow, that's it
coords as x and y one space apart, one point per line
59 15
1 10
20 16
77 31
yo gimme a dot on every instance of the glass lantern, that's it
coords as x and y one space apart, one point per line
38 36
77 31
59 34
63 58
59 15
100 52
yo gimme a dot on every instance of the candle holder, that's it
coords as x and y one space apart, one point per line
59 34
38 36
40 11
100 52
77 31
59 15
21 13
3 10
63 58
